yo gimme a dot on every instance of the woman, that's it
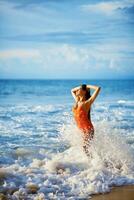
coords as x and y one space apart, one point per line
81 111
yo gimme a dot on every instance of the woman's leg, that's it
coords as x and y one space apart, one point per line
87 142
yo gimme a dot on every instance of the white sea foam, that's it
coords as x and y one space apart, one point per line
70 173
122 101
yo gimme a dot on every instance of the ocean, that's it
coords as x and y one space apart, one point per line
41 155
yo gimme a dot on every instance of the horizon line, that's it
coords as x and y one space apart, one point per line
66 79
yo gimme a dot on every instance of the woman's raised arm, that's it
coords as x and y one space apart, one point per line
94 95
73 91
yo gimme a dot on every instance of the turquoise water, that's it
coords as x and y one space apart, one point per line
38 133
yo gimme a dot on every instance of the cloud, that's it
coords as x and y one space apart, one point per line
108 7
66 55
33 20
70 37
19 53
129 10
64 60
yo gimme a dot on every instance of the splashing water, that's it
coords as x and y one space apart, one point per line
70 173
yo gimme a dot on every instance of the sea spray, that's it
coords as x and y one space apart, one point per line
70 173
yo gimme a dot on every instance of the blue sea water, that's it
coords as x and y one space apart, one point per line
38 136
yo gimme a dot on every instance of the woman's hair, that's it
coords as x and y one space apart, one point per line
87 95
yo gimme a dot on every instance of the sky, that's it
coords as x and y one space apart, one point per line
67 39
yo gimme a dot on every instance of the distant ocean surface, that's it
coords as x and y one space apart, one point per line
41 147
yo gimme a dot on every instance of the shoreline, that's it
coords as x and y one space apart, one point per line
117 193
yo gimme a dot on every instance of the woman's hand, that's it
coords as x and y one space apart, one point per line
92 87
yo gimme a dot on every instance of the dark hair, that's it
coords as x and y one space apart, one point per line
87 96
84 87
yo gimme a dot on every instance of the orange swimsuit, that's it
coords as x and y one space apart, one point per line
83 123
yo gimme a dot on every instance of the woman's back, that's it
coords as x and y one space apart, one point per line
81 118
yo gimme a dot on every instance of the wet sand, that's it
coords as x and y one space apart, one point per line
117 193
